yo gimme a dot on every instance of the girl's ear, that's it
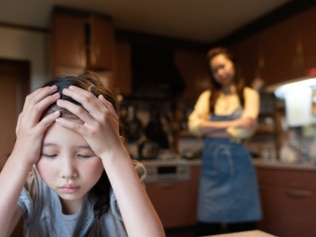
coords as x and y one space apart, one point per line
122 139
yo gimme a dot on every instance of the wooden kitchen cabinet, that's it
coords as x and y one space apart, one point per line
288 199
251 60
274 54
68 44
282 50
123 81
81 41
176 202
308 22
101 54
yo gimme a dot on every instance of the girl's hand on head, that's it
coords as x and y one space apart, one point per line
99 123
30 127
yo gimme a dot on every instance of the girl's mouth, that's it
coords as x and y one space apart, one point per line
69 188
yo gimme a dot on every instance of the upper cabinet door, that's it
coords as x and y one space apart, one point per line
309 37
123 82
282 50
249 57
68 41
102 44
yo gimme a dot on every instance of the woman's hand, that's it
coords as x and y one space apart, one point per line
247 123
98 124
31 128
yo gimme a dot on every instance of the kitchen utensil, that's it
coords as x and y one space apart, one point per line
148 150
154 130
133 127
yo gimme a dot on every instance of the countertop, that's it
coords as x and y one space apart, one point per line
167 162
258 162
276 164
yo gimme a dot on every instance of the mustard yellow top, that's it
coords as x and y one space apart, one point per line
225 105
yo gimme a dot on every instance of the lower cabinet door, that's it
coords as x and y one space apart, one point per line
173 202
288 211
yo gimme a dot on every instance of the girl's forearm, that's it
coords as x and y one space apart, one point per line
12 180
134 203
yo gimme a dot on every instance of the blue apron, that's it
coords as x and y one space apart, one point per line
228 190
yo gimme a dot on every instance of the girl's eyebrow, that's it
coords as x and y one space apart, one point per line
84 147
50 144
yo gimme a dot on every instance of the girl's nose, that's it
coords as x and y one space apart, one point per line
68 169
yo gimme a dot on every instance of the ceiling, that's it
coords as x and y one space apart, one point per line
202 21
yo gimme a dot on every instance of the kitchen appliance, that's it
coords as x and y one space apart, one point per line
298 106
155 131
296 119
132 125
167 172
298 98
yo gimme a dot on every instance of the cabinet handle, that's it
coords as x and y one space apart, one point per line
83 55
298 193
166 185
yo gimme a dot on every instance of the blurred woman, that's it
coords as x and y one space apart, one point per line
224 116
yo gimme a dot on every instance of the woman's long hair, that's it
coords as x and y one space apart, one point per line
100 193
216 87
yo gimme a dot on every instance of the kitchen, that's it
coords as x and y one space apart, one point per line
282 52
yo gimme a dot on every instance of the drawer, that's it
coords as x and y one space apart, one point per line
295 178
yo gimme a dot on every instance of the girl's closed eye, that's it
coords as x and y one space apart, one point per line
86 156
49 151
47 155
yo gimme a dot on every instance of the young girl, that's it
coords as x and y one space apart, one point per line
69 173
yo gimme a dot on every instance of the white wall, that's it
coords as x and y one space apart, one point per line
26 45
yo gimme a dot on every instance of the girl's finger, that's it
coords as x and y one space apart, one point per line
70 124
86 98
49 119
108 105
18 124
75 109
41 93
39 100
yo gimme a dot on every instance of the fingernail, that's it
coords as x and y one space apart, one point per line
56 95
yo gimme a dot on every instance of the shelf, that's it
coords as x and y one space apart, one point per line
265 128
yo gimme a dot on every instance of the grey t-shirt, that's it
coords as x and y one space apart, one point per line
43 215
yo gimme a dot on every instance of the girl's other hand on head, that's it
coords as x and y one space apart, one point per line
98 124
30 127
